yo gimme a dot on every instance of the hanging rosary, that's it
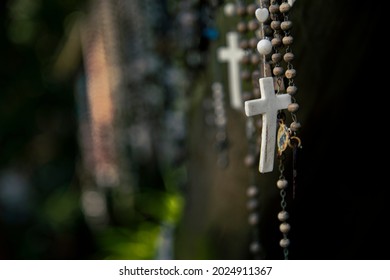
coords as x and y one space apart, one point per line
273 101
264 36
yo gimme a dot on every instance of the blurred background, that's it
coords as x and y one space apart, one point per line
108 146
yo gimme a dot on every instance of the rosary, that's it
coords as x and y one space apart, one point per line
261 83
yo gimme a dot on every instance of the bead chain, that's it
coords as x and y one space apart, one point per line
283 215
283 29
281 38
291 89
276 42
247 27
271 26
290 72
220 123
278 71
253 191
251 61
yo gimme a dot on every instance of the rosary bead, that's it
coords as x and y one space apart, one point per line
253 43
276 42
276 57
241 10
284 243
255 247
264 47
292 90
241 27
220 121
277 39
295 126
287 40
274 8
262 14
229 9
293 107
284 7
256 92
275 24
251 9
291 73
253 25
278 71
249 161
245 59
282 184
284 227
253 219
286 25
283 216
217 88
255 59
288 57
245 75
244 44
252 191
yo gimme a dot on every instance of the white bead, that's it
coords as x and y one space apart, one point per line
282 184
264 47
252 191
284 227
284 243
253 219
293 107
283 216
229 9
262 14
255 247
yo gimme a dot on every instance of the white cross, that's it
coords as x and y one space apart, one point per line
233 54
268 105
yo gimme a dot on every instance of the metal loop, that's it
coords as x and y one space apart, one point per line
295 141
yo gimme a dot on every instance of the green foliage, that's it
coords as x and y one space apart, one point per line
139 239
123 243
60 209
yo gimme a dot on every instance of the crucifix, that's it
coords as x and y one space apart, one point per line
233 54
268 106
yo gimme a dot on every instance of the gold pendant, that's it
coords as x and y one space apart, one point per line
282 138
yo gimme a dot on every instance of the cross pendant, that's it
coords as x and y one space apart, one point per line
233 55
268 106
